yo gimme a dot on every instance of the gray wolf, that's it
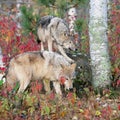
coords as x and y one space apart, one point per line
42 66
54 30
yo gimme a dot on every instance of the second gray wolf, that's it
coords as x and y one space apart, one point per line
55 31
42 66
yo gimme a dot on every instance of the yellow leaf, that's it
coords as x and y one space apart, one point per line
63 113
81 110
97 113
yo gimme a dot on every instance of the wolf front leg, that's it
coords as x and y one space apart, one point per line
57 88
42 46
64 54
47 85
50 45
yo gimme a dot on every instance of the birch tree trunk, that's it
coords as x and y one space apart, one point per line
1 56
100 60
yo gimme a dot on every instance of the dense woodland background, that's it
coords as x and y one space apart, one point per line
18 34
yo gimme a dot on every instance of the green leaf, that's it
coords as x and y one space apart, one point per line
1 82
81 110
16 87
47 110
46 2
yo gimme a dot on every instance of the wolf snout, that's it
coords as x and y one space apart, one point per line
73 49
76 49
71 89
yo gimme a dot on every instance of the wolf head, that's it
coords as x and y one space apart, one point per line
69 45
68 74
61 33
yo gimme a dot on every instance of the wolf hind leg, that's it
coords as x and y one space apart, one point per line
10 81
42 46
23 85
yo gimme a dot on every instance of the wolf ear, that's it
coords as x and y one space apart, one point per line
72 66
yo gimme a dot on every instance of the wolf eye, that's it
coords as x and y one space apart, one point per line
67 79
65 34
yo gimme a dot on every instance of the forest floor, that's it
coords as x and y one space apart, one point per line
39 106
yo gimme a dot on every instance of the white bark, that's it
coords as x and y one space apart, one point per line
99 43
1 64
1 56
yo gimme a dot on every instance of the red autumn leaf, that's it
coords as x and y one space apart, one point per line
52 96
62 80
118 83
118 47
87 114
39 87
73 100
4 93
5 59
36 87
119 107
104 113
118 29
9 88
33 89
2 69
116 70
69 95
109 109
79 103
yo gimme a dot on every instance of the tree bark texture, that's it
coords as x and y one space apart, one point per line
99 53
1 56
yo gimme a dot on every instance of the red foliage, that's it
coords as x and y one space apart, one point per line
79 103
69 95
12 42
106 112
2 69
118 83
114 38
4 93
87 114
118 107
52 96
36 87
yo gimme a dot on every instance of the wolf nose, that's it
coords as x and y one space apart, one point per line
71 89
76 49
